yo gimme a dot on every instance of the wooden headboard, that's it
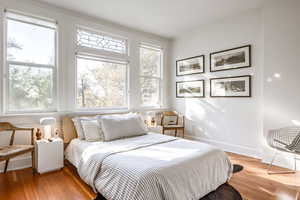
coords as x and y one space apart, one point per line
68 128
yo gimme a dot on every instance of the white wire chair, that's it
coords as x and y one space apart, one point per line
279 139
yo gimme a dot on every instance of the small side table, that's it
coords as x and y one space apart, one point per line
49 156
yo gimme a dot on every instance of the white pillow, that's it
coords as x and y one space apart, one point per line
78 126
92 130
122 126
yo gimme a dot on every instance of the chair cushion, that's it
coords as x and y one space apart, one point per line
10 150
170 120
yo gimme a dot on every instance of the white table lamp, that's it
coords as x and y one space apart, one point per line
47 122
151 118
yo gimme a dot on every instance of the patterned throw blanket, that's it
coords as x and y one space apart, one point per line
154 167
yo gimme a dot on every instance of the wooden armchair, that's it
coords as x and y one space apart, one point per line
172 121
11 151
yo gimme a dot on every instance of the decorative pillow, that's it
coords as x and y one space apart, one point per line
78 126
92 130
122 126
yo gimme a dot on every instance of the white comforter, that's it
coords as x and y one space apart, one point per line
153 167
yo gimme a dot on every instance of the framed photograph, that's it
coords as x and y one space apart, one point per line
231 59
237 86
190 89
188 66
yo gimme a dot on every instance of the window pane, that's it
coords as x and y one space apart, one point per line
30 43
30 88
150 61
102 42
150 92
100 84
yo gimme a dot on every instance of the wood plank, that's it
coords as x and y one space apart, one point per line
254 183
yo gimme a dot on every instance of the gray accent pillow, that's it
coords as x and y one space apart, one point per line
122 126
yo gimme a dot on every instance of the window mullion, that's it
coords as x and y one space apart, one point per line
101 58
30 64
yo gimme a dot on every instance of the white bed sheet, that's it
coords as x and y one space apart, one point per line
187 159
75 149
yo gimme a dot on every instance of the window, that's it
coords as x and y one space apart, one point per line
101 79
101 83
150 75
101 41
30 63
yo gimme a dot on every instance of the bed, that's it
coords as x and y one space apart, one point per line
151 166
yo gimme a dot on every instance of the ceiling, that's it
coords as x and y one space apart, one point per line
168 18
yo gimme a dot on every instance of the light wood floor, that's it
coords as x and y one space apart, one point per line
253 183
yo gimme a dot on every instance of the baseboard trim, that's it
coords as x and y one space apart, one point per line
17 163
233 148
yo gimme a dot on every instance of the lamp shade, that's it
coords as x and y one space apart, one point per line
151 113
47 121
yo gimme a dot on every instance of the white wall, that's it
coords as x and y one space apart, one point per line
231 123
67 22
241 124
282 53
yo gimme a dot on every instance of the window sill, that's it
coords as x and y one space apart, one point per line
100 111
83 111
152 108
31 114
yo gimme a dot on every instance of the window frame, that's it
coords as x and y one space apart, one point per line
7 63
102 59
159 78
104 55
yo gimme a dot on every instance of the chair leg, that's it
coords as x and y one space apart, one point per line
33 161
279 172
175 132
6 165
183 133
295 162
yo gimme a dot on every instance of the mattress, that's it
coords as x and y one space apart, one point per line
152 167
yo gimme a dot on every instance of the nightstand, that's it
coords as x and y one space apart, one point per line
49 156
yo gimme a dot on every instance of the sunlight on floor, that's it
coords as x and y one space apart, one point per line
284 196
262 186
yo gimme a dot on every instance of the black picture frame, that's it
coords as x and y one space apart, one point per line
203 88
248 62
249 77
190 58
